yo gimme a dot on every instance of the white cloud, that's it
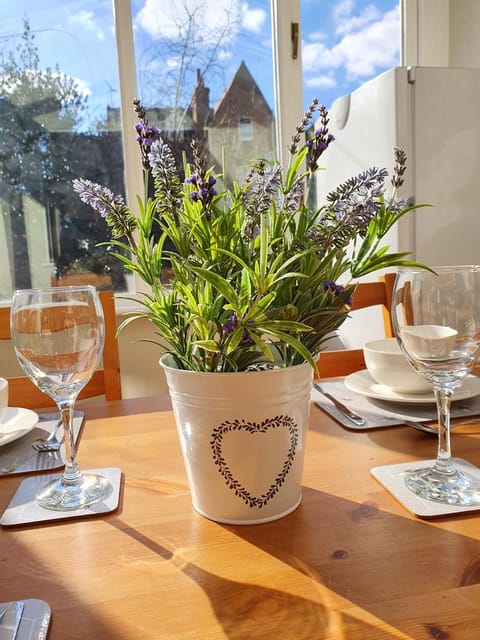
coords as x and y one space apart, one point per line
347 23
224 55
86 20
321 82
367 46
317 56
374 47
317 36
170 18
341 9
82 87
170 63
253 19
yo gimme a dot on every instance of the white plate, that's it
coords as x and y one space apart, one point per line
362 382
16 423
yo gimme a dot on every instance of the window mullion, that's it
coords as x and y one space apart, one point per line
288 84
128 91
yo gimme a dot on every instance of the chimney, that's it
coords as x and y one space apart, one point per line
200 103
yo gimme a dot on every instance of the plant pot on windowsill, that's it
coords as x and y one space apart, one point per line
243 439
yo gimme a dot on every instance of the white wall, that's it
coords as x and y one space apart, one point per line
141 374
440 33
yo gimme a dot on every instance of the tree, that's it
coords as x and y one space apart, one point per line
33 103
188 45
41 151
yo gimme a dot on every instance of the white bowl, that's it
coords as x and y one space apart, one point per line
387 366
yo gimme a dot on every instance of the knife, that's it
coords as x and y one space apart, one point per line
348 413
10 620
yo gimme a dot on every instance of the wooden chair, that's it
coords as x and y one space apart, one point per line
105 381
342 362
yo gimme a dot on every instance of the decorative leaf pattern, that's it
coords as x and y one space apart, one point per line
216 443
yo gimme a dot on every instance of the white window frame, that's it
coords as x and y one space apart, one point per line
288 85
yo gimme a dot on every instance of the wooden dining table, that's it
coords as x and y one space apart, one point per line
350 563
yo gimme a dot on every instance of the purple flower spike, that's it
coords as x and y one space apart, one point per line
230 325
329 285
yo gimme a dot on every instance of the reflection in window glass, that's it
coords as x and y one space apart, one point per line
204 72
245 130
206 67
58 81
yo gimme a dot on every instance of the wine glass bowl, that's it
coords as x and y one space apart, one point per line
58 336
436 318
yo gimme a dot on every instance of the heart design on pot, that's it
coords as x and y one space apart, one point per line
254 429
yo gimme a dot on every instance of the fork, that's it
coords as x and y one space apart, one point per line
52 443
433 428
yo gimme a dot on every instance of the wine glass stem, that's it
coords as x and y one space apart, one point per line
444 455
72 472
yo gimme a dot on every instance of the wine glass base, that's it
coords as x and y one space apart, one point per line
456 488
61 495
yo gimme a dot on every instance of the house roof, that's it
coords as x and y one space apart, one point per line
241 99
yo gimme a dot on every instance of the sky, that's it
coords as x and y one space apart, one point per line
344 42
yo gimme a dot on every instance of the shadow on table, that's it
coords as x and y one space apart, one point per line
248 611
357 564
374 559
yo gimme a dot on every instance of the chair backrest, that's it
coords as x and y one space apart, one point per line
105 381
342 362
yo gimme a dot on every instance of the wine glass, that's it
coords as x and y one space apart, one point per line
58 336
436 318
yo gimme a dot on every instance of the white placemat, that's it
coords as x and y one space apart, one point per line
380 413
34 621
20 457
23 508
392 477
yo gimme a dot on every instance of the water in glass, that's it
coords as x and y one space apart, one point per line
58 335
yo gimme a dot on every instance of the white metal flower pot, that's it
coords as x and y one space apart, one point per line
243 439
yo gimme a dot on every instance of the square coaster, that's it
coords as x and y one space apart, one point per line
392 477
34 621
23 508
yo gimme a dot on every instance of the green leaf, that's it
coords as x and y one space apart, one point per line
219 283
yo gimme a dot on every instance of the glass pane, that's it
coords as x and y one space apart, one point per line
205 72
58 87
346 43
345 46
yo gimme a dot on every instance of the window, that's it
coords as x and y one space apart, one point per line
63 105
344 44
245 130
68 74
58 85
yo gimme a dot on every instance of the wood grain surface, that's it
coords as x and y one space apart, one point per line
349 564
